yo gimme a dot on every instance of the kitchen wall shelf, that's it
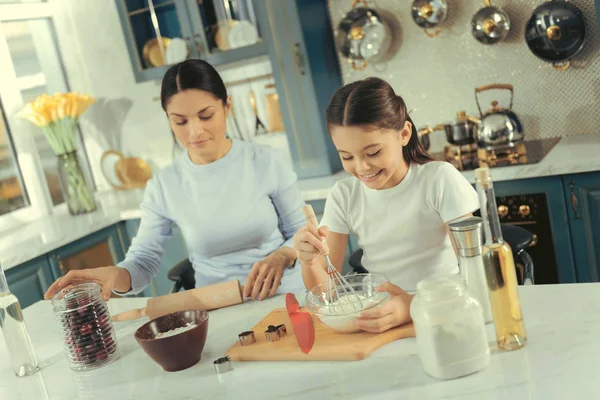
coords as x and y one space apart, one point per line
189 22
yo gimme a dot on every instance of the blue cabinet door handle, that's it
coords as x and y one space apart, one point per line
574 202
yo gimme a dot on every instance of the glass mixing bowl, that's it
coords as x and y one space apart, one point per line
341 314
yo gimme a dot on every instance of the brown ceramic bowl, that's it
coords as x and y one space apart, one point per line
177 352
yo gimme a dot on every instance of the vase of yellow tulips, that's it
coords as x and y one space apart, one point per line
57 116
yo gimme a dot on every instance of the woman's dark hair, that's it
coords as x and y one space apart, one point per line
192 74
373 104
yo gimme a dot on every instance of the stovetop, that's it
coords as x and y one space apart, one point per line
535 151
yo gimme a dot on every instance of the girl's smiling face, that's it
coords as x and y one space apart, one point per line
373 156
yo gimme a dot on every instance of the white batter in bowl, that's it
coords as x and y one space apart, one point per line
341 312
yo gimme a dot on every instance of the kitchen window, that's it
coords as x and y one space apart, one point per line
29 183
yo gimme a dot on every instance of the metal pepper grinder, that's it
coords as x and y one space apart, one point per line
467 237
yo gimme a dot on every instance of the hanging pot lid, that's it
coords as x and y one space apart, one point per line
490 24
429 14
556 32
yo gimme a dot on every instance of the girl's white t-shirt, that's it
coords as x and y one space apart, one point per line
402 229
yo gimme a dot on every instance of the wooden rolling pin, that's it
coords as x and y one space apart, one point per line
205 298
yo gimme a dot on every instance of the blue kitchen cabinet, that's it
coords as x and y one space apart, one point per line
29 281
175 251
102 248
301 47
99 249
582 194
192 21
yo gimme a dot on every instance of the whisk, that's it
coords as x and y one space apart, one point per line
336 283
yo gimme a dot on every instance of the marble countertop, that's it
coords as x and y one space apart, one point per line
559 361
571 155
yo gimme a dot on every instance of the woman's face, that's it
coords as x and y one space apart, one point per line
198 120
373 156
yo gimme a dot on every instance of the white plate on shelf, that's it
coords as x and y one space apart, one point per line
242 34
177 51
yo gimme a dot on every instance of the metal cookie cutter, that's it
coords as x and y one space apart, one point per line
222 365
281 330
274 333
247 338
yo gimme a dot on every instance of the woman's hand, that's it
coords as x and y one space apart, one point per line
308 243
107 277
265 276
394 313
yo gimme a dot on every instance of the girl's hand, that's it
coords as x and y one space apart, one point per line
265 276
104 276
394 313
308 243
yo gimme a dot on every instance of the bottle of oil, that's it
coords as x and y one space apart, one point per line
500 270
15 334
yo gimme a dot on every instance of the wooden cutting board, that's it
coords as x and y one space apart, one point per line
329 345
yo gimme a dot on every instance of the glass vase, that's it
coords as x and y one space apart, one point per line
74 186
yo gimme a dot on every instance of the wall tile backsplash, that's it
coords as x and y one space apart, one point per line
437 76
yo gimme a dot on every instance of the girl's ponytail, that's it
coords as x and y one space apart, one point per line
414 150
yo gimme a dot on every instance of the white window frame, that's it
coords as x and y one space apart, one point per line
32 171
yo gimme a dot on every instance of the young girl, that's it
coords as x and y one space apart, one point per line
398 202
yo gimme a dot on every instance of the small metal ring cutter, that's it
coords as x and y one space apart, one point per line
222 365
247 338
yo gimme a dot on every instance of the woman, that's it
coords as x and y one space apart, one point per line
235 202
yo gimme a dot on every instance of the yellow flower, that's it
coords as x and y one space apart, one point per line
73 112
28 114
47 109
40 107
53 110
62 107
83 102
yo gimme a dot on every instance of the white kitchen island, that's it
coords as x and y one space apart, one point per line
561 361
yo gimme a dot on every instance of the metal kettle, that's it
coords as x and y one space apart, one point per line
498 126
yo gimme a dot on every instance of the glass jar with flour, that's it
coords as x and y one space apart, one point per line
450 329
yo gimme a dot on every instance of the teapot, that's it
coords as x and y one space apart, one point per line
498 126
